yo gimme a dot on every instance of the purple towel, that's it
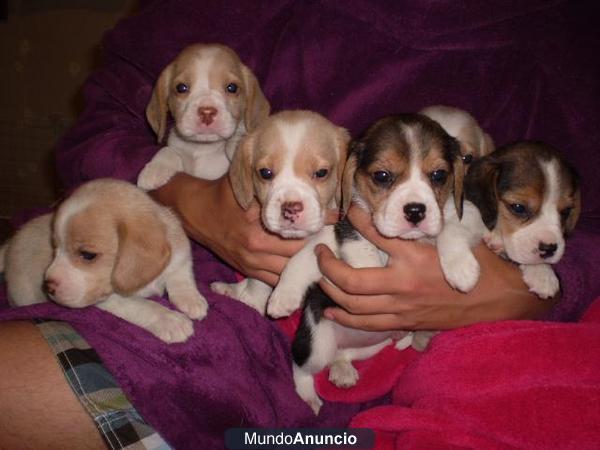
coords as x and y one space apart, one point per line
523 69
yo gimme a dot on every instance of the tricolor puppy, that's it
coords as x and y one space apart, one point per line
474 142
109 245
529 200
214 100
292 164
406 171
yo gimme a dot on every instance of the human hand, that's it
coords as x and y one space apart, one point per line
411 292
211 216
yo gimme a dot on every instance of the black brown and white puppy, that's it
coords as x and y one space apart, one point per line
292 164
406 171
529 200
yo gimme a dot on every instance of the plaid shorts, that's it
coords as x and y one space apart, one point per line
119 424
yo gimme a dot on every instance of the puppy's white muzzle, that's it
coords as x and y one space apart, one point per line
206 119
293 210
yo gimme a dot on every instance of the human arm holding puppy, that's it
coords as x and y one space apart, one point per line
212 217
411 292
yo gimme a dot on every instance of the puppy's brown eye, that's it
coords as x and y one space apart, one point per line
439 176
87 256
321 173
182 88
518 209
382 177
232 88
265 174
565 213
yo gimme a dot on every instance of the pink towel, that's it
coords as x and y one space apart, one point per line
494 386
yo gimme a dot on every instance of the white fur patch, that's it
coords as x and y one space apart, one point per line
288 187
523 245
390 220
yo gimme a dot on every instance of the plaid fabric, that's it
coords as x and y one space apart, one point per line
119 423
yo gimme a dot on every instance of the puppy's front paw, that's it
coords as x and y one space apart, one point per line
541 279
171 327
153 176
461 270
237 291
315 404
405 341
343 374
192 304
283 301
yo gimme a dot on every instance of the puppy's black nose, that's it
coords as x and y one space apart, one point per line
414 212
547 250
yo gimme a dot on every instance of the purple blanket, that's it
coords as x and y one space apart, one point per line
523 69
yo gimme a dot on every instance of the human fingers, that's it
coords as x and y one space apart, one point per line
266 277
332 216
362 304
374 322
261 241
364 281
264 262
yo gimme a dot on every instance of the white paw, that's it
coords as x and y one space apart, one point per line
153 176
284 301
461 270
172 327
421 339
541 279
343 374
233 290
315 404
405 342
192 304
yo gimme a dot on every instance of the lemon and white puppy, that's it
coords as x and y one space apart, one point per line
214 99
108 245
292 164
458 123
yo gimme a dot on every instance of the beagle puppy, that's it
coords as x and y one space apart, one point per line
292 165
524 199
108 245
406 171
214 100
474 142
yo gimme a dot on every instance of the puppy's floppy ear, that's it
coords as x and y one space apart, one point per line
143 252
355 148
481 188
574 216
240 172
458 170
157 109
342 139
257 106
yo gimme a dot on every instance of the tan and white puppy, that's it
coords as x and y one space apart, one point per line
529 200
109 245
474 142
214 99
292 165
406 171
